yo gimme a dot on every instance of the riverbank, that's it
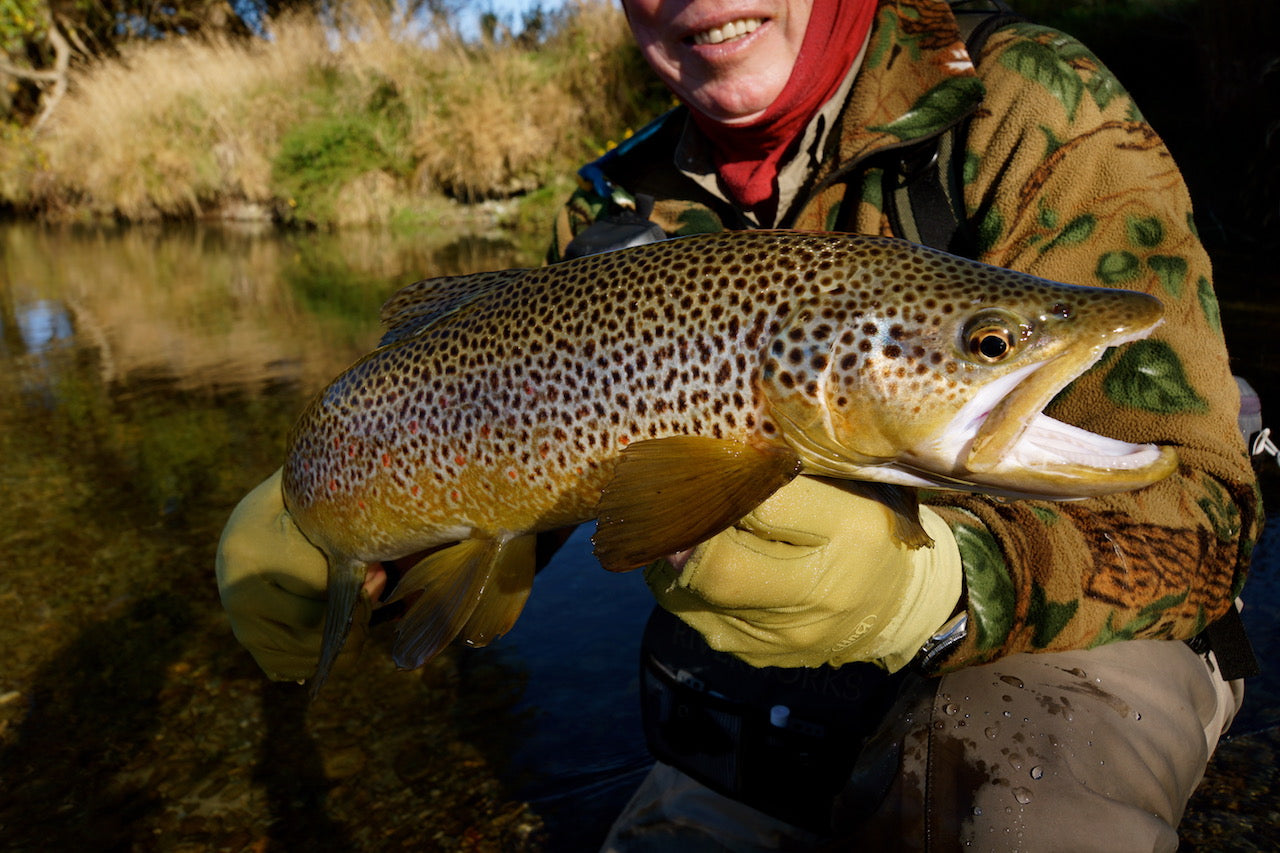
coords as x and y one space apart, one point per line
370 121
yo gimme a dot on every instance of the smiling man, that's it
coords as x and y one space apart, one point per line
1055 627
730 64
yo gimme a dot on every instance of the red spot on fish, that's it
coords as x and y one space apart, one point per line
456 495
460 459
484 431
351 451
415 490
544 451
363 505
413 427
529 389
333 485
337 444
624 440
511 474
386 460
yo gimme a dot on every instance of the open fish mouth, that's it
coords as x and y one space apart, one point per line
1048 443
1003 437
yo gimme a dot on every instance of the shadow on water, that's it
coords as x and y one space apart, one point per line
88 710
576 751
291 770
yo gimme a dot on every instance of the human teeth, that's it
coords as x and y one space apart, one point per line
731 30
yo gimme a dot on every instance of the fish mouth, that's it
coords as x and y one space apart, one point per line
1003 438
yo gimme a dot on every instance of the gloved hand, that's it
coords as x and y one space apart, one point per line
813 576
273 585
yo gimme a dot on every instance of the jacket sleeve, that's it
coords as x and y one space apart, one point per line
1065 180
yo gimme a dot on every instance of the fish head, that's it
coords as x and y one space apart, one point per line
931 370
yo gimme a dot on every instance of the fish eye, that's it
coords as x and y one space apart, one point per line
990 339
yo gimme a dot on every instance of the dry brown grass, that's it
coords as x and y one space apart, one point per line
175 128
173 124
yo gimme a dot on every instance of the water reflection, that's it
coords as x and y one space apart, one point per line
147 380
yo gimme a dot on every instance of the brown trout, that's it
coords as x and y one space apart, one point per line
668 389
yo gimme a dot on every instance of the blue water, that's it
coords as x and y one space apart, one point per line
582 750
1261 616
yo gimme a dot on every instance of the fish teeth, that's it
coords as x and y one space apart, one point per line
731 30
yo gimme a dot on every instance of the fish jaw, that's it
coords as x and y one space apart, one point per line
1003 439
1052 459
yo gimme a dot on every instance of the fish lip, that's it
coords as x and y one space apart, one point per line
1006 422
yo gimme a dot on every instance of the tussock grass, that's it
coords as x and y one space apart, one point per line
373 122
175 126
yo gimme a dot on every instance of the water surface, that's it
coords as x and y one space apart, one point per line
147 380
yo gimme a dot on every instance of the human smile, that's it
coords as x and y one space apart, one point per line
727 32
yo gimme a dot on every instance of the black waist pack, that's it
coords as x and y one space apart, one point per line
782 740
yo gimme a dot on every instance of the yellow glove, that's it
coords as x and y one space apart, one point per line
273 585
813 576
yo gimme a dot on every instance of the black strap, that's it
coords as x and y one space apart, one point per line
932 214
924 186
620 228
1231 647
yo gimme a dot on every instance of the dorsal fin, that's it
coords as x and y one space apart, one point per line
416 306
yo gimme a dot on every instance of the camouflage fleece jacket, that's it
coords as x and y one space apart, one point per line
1063 179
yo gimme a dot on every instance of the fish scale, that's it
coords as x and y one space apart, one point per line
668 389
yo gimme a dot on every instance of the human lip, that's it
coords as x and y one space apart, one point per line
727 32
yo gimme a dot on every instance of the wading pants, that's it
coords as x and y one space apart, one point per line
1093 750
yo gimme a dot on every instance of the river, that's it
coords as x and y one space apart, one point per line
148 377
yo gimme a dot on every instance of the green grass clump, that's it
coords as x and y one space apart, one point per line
319 158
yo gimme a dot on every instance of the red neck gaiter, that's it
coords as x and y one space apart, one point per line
747 156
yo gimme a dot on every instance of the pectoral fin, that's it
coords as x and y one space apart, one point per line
453 583
904 502
669 494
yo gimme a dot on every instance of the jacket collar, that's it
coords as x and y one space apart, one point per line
916 81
